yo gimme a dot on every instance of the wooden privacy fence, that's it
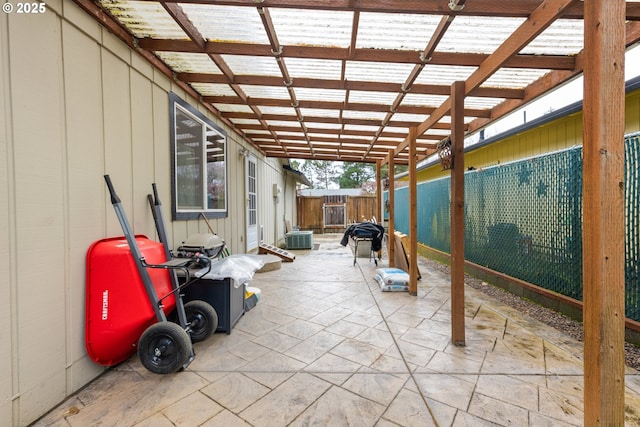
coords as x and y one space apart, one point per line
332 214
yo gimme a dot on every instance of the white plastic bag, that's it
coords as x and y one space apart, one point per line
239 267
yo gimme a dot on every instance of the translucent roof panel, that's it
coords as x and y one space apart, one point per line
308 94
317 125
182 62
372 97
255 65
290 111
472 34
253 131
319 112
145 19
514 78
361 128
416 118
364 115
377 71
395 30
312 27
482 103
423 100
220 23
235 108
210 89
314 68
444 74
563 37
274 92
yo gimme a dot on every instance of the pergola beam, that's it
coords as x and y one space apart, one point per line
342 54
306 82
332 105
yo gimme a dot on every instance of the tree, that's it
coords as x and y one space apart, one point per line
355 174
398 169
321 173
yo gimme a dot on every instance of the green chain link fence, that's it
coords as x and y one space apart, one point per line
524 219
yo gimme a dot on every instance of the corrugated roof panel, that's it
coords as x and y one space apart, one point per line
395 31
444 74
563 37
288 111
189 62
514 78
472 34
396 129
144 19
377 71
213 89
404 117
372 115
283 134
314 68
362 128
372 97
319 112
275 92
281 123
423 100
312 27
317 125
220 23
233 108
309 94
323 135
481 102
252 65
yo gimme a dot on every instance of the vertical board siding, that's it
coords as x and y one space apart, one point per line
7 234
39 195
86 215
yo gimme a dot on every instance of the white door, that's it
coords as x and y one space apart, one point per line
251 168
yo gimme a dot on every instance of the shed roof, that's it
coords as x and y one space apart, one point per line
345 79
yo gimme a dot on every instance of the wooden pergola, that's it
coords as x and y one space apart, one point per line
383 81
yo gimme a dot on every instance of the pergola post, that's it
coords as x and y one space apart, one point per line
457 214
392 198
378 212
603 211
413 214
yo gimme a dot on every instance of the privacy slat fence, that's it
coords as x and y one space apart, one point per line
524 219
332 214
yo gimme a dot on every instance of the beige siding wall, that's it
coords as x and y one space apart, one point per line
78 104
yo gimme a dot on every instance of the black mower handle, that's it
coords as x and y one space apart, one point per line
114 197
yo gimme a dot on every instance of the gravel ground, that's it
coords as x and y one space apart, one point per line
559 321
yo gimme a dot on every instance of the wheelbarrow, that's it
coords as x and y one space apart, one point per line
130 293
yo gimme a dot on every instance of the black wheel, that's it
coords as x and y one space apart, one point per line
201 318
164 348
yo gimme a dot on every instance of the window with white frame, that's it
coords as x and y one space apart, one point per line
198 163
